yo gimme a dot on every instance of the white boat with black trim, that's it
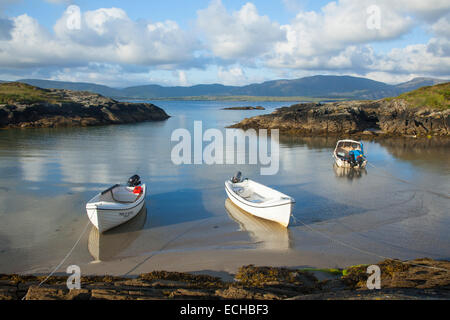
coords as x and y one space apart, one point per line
349 154
259 200
117 204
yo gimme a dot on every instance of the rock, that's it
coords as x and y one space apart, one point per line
416 279
245 108
190 294
45 293
238 293
388 117
76 108
8 292
418 274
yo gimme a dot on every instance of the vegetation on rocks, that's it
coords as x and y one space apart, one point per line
17 92
423 112
416 279
25 106
436 97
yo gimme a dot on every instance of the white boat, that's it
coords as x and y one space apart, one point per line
259 200
117 204
343 154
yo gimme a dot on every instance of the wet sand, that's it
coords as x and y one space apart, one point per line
219 246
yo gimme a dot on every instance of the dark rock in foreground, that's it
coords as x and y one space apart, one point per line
65 108
416 279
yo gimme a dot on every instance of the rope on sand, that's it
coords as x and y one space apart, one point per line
362 250
409 182
65 258
373 253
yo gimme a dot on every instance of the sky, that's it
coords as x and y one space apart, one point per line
232 42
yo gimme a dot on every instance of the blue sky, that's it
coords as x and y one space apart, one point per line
171 42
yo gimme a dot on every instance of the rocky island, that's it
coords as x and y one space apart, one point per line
245 108
26 106
423 112
416 279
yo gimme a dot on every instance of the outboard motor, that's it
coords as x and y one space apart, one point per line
134 181
360 160
237 177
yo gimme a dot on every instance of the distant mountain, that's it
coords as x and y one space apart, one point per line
417 83
320 86
156 91
78 86
316 86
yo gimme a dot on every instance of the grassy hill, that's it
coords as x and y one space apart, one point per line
437 97
77 86
17 92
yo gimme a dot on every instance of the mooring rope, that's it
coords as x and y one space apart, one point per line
66 257
364 251
296 220
409 182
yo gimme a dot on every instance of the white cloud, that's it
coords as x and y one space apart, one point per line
232 76
339 25
241 34
109 47
442 27
182 78
337 38
105 35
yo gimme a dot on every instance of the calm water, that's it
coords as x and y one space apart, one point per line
398 208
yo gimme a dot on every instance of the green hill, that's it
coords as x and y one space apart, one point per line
436 97
17 92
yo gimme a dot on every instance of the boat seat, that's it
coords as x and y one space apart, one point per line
108 196
242 192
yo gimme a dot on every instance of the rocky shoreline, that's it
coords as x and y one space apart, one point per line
245 108
350 118
416 279
65 108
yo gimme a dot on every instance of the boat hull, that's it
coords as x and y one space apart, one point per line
277 213
106 219
109 215
345 164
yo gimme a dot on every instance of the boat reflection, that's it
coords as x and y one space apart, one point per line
349 173
105 246
268 234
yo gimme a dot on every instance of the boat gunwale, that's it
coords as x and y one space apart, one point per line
251 204
93 205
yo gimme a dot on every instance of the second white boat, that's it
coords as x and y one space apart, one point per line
260 200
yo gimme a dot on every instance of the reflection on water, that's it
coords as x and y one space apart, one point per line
48 175
268 234
309 142
105 246
349 173
430 153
